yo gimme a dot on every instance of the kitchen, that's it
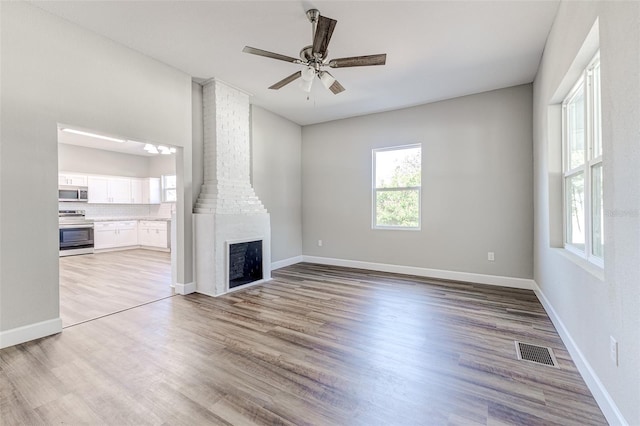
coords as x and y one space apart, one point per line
116 198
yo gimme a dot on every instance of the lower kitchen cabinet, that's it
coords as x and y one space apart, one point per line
115 234
154 233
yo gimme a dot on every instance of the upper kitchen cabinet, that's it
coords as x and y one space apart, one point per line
72 179
145 190
109 190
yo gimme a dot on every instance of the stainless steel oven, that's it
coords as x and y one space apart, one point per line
76 233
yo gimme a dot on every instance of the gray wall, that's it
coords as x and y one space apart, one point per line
72 158
162 165
55 72
593 305
197 140
476 193
276 177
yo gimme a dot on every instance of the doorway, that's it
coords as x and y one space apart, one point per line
130 210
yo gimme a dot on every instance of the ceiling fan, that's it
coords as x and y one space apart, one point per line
314 57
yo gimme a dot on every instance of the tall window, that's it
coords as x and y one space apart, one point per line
582 166
397 177
169 189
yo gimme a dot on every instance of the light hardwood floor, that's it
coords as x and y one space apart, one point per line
317 345
94 285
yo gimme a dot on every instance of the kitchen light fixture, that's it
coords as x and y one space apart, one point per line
160 149
93 135
151 149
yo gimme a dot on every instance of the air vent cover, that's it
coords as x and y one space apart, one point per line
537 354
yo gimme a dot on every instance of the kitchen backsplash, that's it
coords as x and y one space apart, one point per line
121 210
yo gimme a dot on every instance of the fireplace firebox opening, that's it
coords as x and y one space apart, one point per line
245 263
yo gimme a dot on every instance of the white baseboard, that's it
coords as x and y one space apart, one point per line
600 394
18 335
497 280
187 288
286 262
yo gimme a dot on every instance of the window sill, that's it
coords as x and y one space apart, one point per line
583 263
393 228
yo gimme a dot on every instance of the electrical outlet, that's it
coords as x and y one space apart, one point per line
319 243
491 256
613 350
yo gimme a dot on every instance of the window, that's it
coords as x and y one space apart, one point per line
397 177
169 189
582 166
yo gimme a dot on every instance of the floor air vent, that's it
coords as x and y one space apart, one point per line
537 354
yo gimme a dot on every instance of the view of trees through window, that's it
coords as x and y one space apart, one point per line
397 185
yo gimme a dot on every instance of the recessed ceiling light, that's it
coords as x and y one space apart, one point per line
93 135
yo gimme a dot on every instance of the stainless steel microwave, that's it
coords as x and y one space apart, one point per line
73 193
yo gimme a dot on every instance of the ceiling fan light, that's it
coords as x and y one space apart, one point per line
326 79
306 85
308 74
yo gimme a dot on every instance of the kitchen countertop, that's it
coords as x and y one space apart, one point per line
118 219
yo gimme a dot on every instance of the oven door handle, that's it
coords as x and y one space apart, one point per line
70 226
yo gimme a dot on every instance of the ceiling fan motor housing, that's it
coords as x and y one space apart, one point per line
306 54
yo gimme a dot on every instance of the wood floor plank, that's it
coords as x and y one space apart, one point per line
93 285
318 345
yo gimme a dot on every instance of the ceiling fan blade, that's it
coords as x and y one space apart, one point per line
324 30
286 80
268 54
336 87
359 61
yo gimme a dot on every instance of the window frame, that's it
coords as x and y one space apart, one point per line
375 190
591 160
165 188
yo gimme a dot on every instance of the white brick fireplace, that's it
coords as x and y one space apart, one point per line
227 209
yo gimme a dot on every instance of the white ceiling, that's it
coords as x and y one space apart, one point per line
435 49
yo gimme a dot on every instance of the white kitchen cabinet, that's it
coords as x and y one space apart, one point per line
109 190
120 190
128 233
99 190
153 196
115 234
154 233
72 179
145 190
137 191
